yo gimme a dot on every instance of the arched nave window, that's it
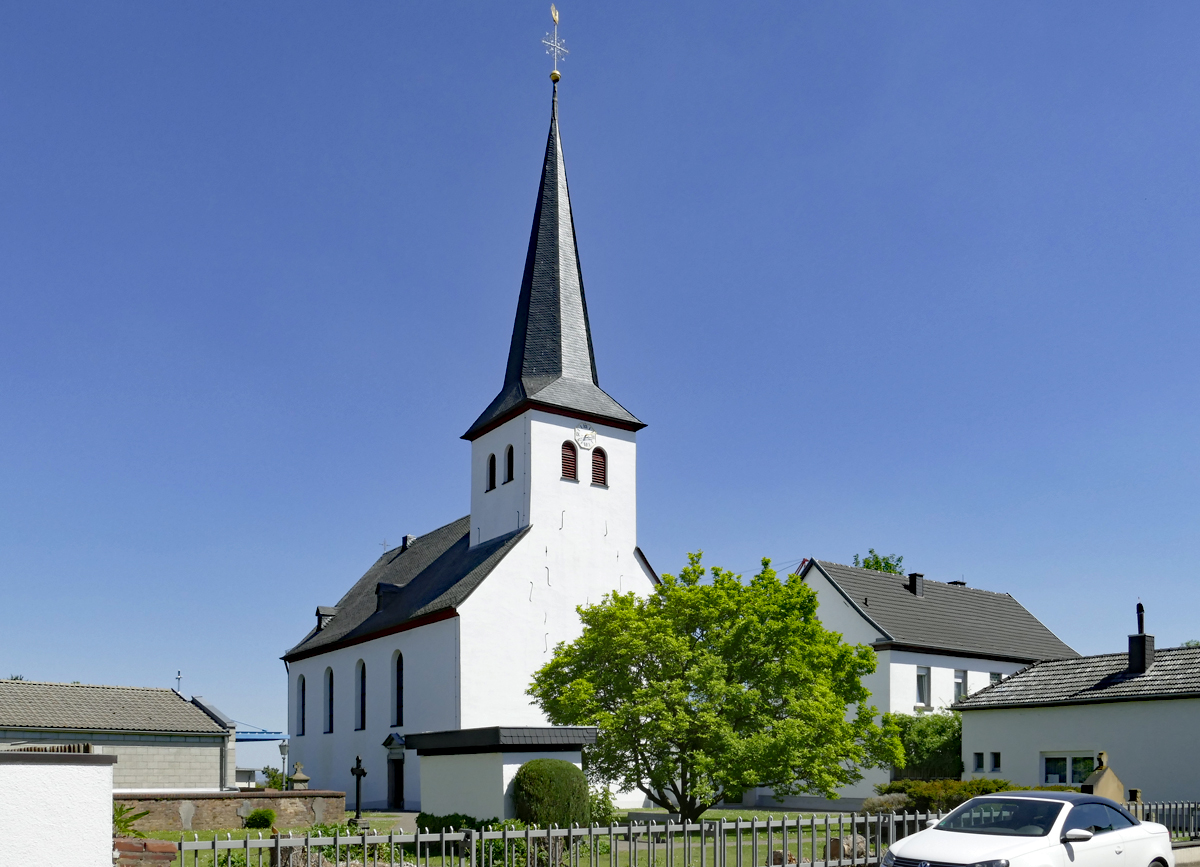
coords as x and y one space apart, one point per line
361 715
508 465
568 461
328 699
300 705
491 471
399 689
599 467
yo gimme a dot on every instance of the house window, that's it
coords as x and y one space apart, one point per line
508 465
996 677
491 473
599 467
1067 770
361 715
960 685
328 700
923 686
399 689
995 762
568 460
979 763
300 705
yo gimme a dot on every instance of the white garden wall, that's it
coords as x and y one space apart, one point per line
56 808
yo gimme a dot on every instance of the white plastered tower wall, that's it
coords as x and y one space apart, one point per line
581 545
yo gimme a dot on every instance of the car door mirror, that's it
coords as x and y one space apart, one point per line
929 823
1077 835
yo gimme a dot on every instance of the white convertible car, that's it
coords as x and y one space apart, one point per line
1036 829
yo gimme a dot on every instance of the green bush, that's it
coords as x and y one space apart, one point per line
604 812
938 795
932 745
260 818
453 821
123 819
551 792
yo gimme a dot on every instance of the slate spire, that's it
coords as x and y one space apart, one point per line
550 360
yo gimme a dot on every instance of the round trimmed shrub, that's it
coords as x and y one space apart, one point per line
551 792
260 818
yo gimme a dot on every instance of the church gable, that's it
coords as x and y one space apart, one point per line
409 586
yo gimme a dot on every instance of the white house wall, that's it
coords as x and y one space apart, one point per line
904 664
580 546
431 656
57 814
478 784
1151 745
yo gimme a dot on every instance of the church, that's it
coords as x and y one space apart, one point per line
446 631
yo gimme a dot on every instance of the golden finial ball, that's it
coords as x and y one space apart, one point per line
555 77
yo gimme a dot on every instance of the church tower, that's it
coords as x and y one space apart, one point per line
553 450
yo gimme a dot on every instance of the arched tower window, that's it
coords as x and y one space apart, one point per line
361 715
328 700
491 471
599 467
508 465
569 461
300 702
399 689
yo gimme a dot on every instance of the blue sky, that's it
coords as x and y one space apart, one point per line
918 277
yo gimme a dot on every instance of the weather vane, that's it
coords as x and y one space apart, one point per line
555 46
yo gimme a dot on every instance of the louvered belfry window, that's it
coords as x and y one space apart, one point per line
569 460
599 467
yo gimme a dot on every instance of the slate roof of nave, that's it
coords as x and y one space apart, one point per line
88 707
948 618
435 573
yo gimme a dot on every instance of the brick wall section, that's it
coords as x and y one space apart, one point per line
130 852
204 811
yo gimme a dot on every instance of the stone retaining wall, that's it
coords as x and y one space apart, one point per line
210 811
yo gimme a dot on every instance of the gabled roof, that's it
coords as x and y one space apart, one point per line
1094 679
85 707
433 575
550 359
946 619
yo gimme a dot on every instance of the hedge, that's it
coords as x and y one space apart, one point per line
937 795
551 792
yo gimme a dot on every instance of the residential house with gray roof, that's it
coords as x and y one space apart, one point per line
1048 723
936 643
162 741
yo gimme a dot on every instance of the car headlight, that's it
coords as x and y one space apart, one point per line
889 860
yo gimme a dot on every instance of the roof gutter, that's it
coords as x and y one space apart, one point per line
1069 702
955 651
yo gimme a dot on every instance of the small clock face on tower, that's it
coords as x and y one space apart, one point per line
585 436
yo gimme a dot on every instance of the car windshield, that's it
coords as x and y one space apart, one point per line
1010 817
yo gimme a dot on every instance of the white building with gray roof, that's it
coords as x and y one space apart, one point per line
1048 723
936 642
446 631
162 741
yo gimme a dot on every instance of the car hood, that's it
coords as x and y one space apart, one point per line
955 847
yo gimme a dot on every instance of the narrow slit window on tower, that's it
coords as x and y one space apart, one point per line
599 467
569 461
508 465
491 473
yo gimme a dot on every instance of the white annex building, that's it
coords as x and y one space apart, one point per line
936 643
446 631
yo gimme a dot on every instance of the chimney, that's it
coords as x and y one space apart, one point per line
1141 646
916 583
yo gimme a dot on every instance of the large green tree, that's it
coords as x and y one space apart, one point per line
932 745
714 687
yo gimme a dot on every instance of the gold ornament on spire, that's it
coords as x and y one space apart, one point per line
555 46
